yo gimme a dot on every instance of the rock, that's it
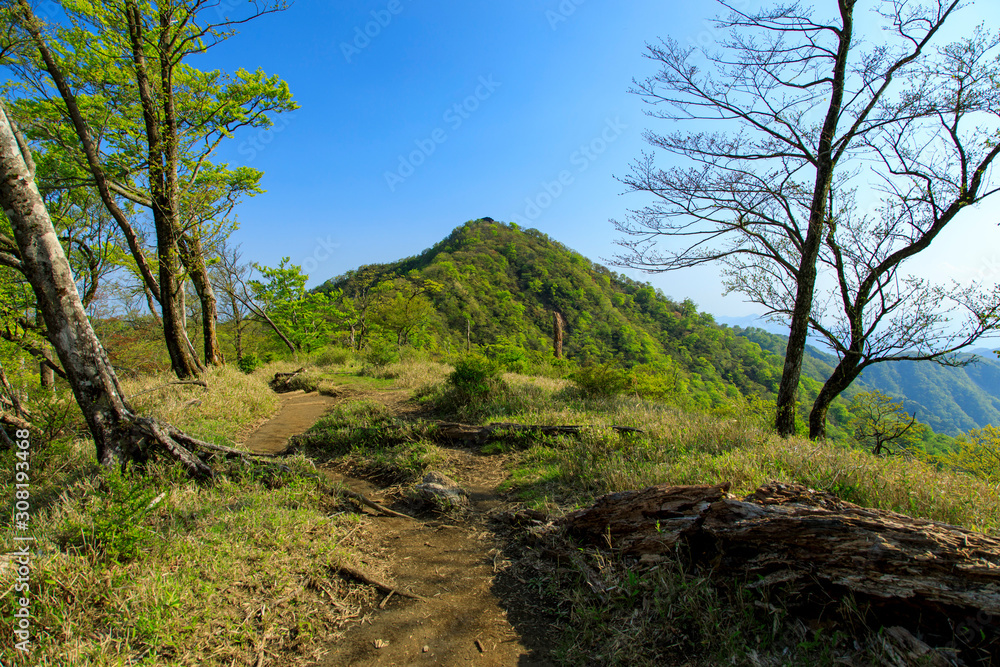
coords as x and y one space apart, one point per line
442 491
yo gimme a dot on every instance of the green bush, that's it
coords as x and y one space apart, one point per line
475 376
248 363
381 352
601 380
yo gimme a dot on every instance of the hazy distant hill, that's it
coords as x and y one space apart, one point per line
949 399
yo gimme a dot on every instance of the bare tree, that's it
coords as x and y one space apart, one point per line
932 169
801 95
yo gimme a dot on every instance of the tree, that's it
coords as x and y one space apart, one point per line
304 317
120 436
934 167
408 308
978 454
882 424
168 119
802 96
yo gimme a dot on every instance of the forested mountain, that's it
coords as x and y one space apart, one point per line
496 286
949 400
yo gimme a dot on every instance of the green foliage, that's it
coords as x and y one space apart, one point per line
381 352
601 380
882 424
306 318
475 376
249 362
114 530
978 454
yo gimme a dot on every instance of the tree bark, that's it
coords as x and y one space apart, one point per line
798 331
846 372
192 254
119 435
163 195
813 550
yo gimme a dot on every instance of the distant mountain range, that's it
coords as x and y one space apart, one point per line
500 286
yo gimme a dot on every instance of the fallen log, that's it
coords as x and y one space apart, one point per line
928 577
279 382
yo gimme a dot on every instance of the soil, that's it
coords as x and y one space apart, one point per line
475 609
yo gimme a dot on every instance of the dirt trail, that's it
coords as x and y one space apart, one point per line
297 413
474 611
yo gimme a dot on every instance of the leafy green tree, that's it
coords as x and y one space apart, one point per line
140 126
979 454
883 425
306 318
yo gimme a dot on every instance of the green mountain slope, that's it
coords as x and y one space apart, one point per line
950 400
501 285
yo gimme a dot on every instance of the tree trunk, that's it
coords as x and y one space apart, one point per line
557 334
162 187
46 376
119 435
193 256
818 219
843 375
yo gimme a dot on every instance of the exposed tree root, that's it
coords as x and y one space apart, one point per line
371 581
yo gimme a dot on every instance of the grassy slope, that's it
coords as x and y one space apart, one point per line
159 570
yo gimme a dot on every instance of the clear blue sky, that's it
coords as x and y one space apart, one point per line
536 82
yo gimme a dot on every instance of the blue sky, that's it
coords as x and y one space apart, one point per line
450 111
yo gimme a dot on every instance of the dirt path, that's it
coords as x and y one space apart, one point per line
474 612
297 413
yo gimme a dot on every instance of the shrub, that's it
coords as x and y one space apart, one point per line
600 381
381 353
475 376
248 363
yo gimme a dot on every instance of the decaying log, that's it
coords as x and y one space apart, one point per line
816 548
279 382
498 430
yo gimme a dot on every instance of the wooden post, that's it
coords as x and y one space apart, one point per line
557 333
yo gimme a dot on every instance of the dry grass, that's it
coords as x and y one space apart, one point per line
235 571
412 374
689 448
231 401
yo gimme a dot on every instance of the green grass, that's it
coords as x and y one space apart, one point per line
156 569
366 438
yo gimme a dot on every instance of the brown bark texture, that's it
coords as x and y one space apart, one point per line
816 550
